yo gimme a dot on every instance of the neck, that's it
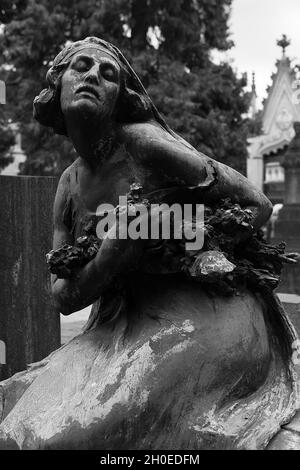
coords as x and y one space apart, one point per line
94 144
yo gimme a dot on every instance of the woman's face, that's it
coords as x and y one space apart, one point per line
90 86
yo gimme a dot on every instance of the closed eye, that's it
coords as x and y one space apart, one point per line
81 64
109 72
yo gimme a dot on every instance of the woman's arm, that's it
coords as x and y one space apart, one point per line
88 283
180 164
232 184
115 257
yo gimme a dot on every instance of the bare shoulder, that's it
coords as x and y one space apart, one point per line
66 177
145 135
68 172
141 130
63 191
150 140
169 154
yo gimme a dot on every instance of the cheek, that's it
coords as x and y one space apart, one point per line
68 85
112 93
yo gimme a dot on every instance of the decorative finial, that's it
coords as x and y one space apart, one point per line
253 82
253 100
284 42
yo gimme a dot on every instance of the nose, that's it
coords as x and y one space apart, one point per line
93 75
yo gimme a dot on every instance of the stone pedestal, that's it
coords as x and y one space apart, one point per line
29 324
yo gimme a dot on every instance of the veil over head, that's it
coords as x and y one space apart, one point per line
134 104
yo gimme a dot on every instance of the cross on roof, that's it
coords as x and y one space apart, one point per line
284 42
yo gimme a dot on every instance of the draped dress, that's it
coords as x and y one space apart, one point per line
162 364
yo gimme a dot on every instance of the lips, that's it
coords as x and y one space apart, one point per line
87 89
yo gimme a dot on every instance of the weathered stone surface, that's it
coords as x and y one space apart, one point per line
12 389
285 440
178 382
294 424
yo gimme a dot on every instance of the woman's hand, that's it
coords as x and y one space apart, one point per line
118 255
115 257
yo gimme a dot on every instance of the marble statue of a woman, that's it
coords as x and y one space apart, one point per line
164 362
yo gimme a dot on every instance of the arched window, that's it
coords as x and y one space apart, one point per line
274 173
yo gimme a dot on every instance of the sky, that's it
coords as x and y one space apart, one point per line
255 27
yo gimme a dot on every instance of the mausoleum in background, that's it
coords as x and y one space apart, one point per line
265 165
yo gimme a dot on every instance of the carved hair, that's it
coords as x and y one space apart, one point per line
133 104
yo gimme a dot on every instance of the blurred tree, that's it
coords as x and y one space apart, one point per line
7 138
170 44
10 8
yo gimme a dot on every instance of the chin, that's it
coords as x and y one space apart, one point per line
85 109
